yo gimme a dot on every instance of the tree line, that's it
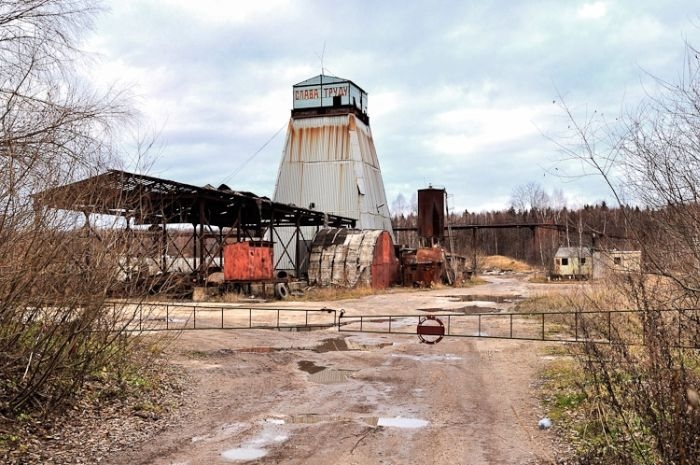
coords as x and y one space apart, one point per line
535 233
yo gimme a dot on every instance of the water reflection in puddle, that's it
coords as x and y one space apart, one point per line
392 422
255 448
244 453
275 421
429 358
400 422
499 299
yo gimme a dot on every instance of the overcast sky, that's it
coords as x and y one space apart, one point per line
461 94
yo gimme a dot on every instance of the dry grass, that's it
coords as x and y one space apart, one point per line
335 293
622 402
499 262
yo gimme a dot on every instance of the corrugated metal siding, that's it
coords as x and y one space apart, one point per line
368 152
322 162
318 139
350 258
340 200
376 209
331 161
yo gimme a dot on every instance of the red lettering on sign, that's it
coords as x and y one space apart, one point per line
306 94
335 91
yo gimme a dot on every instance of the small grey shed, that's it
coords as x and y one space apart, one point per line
573 263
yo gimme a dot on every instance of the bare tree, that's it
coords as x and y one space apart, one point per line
642 394
399 206
530 196
54 278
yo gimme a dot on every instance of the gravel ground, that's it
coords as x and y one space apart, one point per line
322 397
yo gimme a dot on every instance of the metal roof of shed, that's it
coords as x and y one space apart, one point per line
566 252
151 200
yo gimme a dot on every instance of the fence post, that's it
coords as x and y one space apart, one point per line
543 326
511 326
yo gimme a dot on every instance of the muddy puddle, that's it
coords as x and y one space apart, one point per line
498 299
467 309
388 422
257 447
323 375
429 357
400 422
332 345
341 344
480 304
243 453
310 367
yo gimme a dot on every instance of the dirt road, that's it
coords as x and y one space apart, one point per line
324 397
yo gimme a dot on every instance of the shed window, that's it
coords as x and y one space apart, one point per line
583 260
617 260
565 261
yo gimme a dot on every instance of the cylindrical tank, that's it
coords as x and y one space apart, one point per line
348 258
431 213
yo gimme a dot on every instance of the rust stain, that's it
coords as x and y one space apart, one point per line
423 267
385 266
248 261
431 213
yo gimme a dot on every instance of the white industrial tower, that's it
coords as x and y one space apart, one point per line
329 161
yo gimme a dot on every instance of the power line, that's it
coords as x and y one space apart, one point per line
250 158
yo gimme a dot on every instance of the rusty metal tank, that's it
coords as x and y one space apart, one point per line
423 267
349 258
431 213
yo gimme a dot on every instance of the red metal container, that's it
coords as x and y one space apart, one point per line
423 267
248 261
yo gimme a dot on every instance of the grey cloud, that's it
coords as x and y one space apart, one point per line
227 85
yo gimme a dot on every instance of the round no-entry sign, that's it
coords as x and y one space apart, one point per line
430 329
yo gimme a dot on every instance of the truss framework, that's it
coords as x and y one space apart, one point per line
184 227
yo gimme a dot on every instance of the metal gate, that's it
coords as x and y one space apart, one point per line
181 317
584 326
